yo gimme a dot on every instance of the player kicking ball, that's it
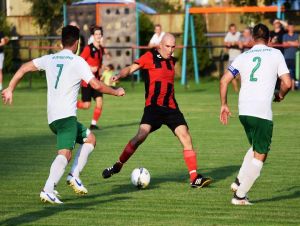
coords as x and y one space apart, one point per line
161 108
64 72
259 68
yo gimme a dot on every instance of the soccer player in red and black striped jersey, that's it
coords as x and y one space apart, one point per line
93 55
160 109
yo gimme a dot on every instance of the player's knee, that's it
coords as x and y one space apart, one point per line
67 153
91 139
87 105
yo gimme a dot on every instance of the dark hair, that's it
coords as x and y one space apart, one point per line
69 35
111 67
97 28
231 25
291 23
157 25
261 31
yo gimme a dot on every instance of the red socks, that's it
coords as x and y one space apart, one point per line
79 104
97 114
191 163
127 152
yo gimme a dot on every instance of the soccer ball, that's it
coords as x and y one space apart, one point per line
140 177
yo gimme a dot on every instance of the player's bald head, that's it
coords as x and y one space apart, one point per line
167 46
168 38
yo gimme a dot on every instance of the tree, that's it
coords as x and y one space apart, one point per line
162 6
48 14
249 18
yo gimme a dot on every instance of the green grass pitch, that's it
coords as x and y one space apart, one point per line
27 148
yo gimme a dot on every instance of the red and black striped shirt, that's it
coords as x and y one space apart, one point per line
159 79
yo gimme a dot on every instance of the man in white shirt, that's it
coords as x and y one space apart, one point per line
259 68
64 72
157 37
231 42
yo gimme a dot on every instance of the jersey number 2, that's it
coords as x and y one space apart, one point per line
258 61
60 67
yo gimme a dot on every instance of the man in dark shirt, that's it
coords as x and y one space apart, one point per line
160 109
2 43
291 41
277 34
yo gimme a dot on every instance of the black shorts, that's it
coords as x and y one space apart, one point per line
157 116
88 92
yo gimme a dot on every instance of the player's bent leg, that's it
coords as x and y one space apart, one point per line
83 105
128 151
246 161
80 161
253 172
97 113
57 170
190 158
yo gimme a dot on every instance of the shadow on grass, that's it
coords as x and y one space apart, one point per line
221 173
294 195
47 211
118 126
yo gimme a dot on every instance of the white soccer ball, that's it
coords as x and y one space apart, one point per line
140 177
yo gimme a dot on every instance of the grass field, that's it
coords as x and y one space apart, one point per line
27 148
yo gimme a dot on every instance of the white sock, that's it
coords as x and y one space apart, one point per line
247 160
94 122
75 163
56 171
81 158
251 174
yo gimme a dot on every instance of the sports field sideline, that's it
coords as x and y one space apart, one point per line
27 148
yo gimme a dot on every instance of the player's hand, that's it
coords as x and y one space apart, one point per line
115 78
7 96
224 114
120 92
277 97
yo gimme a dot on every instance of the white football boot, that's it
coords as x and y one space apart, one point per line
50 197
78 186
240 201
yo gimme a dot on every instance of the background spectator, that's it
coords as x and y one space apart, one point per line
107 74
246 39
2 43
156 38
277 34
291 39
231 41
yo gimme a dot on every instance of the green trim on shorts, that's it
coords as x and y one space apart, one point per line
69 132
259 132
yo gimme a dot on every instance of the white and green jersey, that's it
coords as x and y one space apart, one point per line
64 72
258 68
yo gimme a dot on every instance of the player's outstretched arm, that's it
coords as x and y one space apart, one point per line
101 87
126 71
7 94
285 86
225 111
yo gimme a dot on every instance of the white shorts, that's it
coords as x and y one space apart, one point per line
1 60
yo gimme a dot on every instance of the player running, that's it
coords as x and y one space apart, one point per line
64 72
161 108
93 55
258 68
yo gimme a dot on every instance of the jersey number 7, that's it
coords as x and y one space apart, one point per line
60 67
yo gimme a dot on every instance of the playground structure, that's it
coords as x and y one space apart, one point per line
189 29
